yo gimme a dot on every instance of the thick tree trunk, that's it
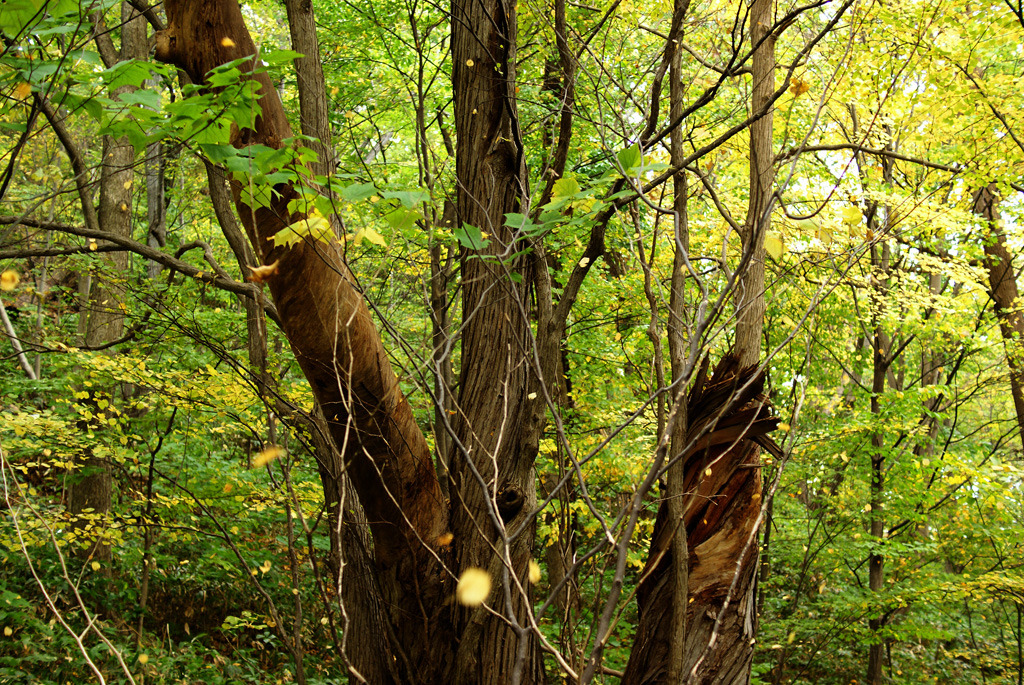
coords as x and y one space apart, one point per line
340 351
729 419
1003 290
493 481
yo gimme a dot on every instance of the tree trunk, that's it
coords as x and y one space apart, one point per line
1002 289
728 419
89 494
493 482
881 259
339 350
749 297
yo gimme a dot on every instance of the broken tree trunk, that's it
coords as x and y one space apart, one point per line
729 419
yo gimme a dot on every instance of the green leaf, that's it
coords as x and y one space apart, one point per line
358 191
127 73
144 97
630 158
402 218
256 194
408 198
16 14
471 237
218 154
521 222
565 187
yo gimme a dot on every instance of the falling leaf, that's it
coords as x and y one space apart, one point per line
268 455
851 215
798 87
473 588
825 234
774 246
93 245
22 91
8 632
127 185
143 659
707 472
531 396
469 62
9 280
261 274
445 539
534 572
96 566
227 42
265 566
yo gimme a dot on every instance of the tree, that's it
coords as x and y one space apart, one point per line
502 389
544 177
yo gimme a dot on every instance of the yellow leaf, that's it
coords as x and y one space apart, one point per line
851 215
774 246
265 566
227 42
8 632
268 455
127 185
473 588
96 566
798 87
22 91
143 659
534 572
93 245
261 274
374 237
825 234
9 280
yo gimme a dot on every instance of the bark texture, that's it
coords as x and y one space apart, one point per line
729 419
492 459
750 305
333 337
1003 290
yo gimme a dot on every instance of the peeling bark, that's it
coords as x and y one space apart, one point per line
729 419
